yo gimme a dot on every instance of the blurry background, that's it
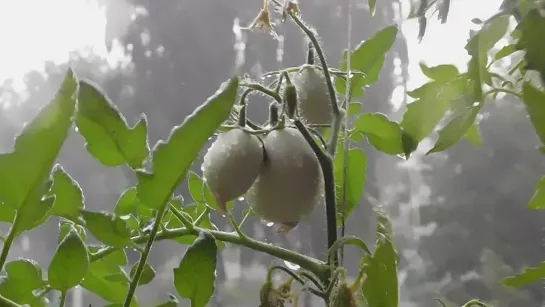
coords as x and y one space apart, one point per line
460 217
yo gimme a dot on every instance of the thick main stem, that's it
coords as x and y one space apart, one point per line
7 303
9 240
326 164
331 202
315 266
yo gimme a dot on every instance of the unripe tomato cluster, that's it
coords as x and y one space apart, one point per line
277 171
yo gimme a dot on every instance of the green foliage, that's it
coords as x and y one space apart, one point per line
367 58
380 287
172 159
531 41
68 195
107 228
529 276
147 275
35 188
195 276
109 138
69 264
384 134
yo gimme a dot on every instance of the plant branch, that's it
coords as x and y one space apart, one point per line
9 240
317 267
179 215
264 90
7 302
145 254
329 184
63 299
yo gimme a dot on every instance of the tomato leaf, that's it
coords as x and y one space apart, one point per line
195 276
385 135
172 159
69 199
69 264
109 138
528 276
107 228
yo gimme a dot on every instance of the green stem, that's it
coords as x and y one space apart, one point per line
9 240
179 215
317 267
329 183
63 299
264 90
145 254
201 217
235 226
7 302
245 218
502 90
326 161
321 56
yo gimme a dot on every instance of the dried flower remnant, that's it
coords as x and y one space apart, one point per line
262 21
290 8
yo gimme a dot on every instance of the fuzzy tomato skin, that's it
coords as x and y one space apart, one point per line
231 165
314 101
290 182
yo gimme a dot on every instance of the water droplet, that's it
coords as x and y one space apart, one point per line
76 129
241 198
292 266
269 224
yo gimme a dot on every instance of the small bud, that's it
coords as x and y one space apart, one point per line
290 7
273 114
290 99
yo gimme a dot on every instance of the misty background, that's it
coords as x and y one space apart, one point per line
460 217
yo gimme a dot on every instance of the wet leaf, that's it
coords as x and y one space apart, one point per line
69 199
385 135
109 138
148 274
172 159
194 278
69 264
107 228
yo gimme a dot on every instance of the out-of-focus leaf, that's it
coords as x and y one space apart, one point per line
538 199
381 286
533 99
528 276
474 135
505 51
441 73
171 160
478 47
531 41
